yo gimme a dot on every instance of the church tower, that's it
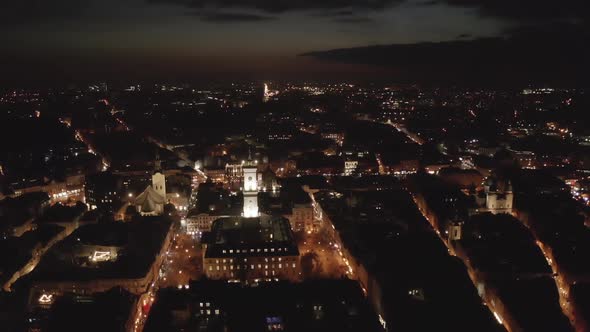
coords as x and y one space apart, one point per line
250 189
159 179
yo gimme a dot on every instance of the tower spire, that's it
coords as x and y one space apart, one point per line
157 162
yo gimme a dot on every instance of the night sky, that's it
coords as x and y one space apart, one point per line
161 38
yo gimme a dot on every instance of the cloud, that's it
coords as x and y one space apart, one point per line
354 20
231 17
526 9
27 11
527 54
282 6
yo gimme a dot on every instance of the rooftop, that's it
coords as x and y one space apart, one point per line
264 235
141 241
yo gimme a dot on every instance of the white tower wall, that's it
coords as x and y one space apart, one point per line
159 183
250 192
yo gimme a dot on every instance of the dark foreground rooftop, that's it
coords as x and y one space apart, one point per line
320 305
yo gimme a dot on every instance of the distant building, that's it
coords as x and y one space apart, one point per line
196 222
350 167
455 230
103 190
526 159
70 190
496 197
268 180
234 175
215 174
467 162
301 218
337 137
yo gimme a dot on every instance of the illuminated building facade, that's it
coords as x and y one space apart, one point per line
251 250
496 197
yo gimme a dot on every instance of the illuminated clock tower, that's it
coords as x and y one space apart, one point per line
250 189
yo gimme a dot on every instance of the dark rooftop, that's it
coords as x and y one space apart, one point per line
320 305
264 235
141 241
